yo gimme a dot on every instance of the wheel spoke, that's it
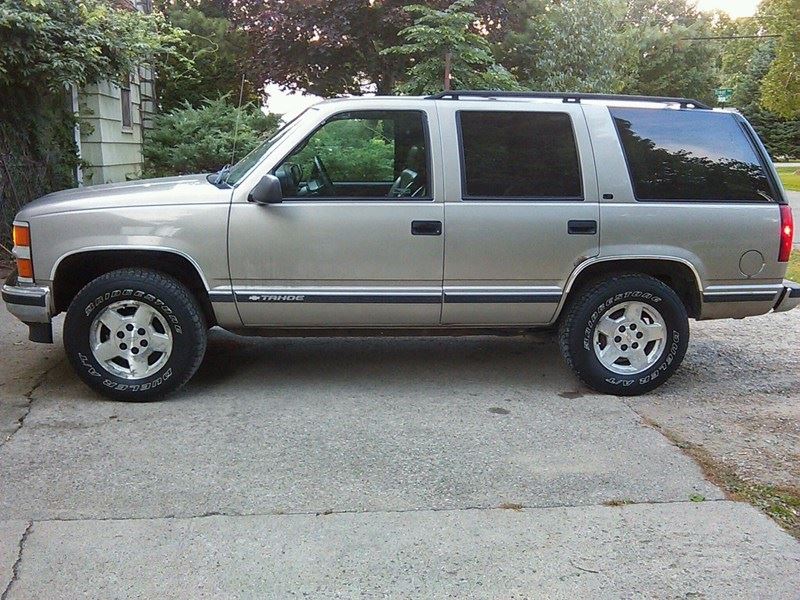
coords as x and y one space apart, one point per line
607 326
652 333
113 320
144 315
106 351
138 364
638 359
609 354
633 312
159 342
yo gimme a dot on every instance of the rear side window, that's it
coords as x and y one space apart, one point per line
523 155
689 156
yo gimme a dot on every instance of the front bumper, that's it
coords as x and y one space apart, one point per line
31 305
789 298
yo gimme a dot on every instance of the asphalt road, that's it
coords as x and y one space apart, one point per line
794 202
398 468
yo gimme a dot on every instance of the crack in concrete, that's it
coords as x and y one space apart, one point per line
328 512
15 568
29 396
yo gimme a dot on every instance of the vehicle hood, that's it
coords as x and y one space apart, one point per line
187 189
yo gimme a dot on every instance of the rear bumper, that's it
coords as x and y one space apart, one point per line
31 305
789 298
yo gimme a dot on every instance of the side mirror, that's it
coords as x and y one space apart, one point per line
267 191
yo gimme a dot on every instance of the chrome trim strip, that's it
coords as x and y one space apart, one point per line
392 295
328 294
349 298
744 288
502 289
501 294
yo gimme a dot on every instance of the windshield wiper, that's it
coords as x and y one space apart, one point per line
220 176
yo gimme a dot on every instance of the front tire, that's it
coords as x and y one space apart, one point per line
135 335
626 335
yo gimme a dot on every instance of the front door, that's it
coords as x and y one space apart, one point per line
521 209
358 238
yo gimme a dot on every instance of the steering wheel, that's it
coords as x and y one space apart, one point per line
325 184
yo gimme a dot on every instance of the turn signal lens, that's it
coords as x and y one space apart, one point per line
22 236
25 268
787 233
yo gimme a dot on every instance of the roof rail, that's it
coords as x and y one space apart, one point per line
567 97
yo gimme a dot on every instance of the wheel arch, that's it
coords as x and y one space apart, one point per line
74 270
679 274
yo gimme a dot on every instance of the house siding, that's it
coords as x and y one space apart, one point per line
110 151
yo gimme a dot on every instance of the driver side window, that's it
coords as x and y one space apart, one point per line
364 154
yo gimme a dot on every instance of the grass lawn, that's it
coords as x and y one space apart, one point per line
790 176
793 272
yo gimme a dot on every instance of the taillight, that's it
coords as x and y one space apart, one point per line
787 233
22 251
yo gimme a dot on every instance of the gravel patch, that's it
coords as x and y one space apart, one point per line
738 396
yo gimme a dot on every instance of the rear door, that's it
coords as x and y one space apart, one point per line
521 208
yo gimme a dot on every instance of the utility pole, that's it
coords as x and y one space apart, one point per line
448 57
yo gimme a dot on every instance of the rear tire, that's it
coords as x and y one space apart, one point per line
626 335
135 335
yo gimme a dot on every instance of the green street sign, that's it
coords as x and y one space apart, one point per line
724 95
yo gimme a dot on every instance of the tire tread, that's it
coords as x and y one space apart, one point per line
581 298
184 296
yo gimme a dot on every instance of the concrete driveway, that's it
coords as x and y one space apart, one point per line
397 468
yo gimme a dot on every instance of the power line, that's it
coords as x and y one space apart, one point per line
732 37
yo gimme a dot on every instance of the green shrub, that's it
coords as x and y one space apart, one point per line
351 150
201 140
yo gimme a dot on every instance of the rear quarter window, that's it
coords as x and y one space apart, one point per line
690 155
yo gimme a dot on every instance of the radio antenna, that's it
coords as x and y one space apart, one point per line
236 125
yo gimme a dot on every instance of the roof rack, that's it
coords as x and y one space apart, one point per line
568 97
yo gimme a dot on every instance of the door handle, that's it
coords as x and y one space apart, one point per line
426 228
575 227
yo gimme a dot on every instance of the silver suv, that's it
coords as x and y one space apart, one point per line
612 218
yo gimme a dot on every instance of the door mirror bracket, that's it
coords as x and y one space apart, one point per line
267 191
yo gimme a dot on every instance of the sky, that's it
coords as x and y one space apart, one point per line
735 8
283 103
287 104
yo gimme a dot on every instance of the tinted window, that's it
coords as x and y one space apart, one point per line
689 155
519 155
365 154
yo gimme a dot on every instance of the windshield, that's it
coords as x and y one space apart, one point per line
241 168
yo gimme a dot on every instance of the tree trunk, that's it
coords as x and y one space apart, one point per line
448 57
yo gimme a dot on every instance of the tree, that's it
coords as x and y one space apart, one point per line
47 45
218 9
202 139
217 51
572 45
446 54
332 47
780 135
780 88
662 55
325 47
